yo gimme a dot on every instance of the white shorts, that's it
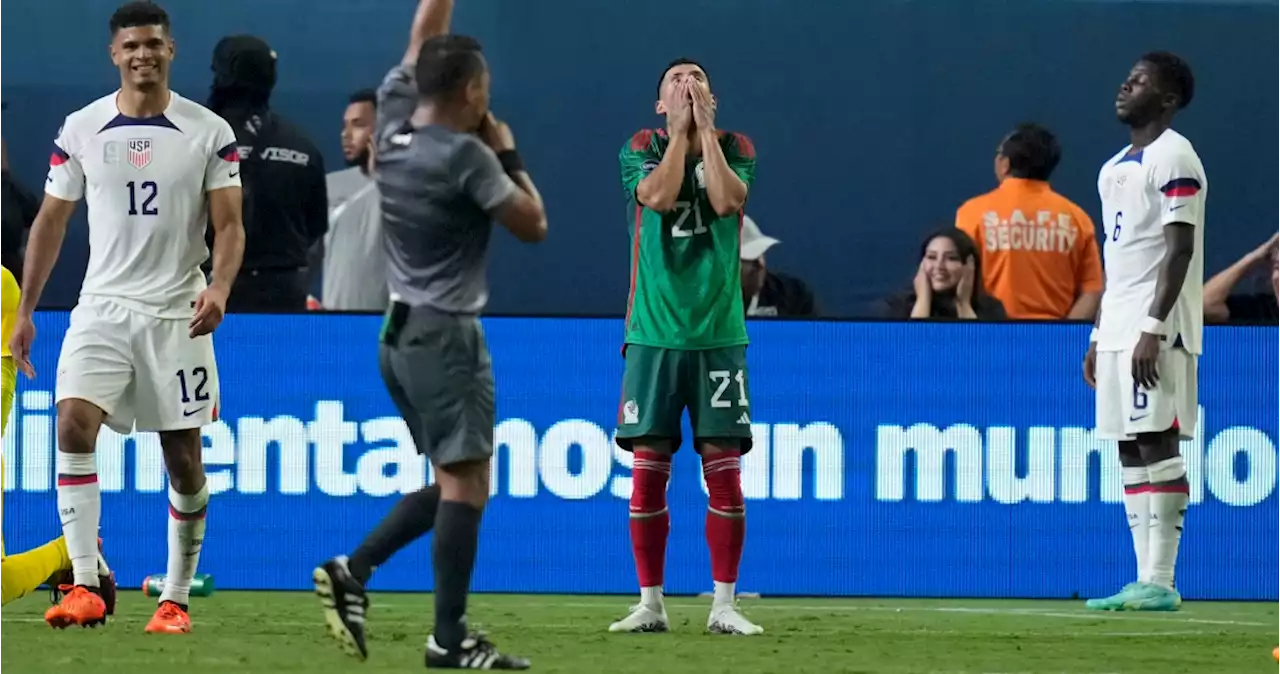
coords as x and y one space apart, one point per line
1125 409
138 368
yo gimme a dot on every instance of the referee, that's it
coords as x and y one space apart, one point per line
446 169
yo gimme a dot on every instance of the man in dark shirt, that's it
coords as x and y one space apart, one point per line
767 293
19 211
1223 306
285 198
446 170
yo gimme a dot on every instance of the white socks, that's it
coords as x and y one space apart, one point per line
724 594
1169 497
651 597
80 508
186 537
1137 506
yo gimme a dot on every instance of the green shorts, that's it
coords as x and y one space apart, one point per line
659 384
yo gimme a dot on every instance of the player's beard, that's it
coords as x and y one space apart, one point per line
361 159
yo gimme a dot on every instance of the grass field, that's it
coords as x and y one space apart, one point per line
276 633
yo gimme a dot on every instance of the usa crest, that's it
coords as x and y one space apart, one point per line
139 152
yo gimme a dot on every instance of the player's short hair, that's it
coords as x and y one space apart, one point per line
682 61
364 96
446 64
138 13
1173 75
1033 152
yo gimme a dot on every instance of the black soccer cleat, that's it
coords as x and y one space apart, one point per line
476 652
345 605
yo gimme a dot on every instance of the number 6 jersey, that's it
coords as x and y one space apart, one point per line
686 287
1143 192
144 181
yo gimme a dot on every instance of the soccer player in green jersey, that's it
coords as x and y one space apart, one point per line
686 335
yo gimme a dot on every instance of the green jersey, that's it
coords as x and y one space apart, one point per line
686 287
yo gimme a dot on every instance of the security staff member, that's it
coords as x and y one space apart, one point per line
285 200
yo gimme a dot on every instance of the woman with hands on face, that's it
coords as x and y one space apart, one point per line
948 283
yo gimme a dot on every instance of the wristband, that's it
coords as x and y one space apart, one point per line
1093 335
1152 325
511 162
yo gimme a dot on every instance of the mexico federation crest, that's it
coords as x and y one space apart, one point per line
139 152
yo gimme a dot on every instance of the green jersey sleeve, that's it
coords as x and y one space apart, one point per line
741 155
637 159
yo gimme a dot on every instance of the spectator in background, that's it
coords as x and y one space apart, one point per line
948 283
1039 251
765 292
19 211
285 207
1221 305
355 266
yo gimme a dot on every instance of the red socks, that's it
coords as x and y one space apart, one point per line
726 522
650 521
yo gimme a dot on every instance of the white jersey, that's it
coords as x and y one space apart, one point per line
144 180
1142 192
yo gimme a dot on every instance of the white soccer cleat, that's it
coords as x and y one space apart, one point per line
643 619
728 620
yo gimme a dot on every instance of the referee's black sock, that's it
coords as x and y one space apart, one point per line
408 521
457 535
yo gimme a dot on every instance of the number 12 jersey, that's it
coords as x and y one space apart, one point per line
144 181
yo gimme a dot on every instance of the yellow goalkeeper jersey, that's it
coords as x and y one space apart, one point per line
9 296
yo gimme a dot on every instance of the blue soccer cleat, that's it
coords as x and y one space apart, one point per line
1152 597
1116 602
1138 597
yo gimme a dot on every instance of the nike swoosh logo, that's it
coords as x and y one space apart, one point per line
1133 418
1174 208
187 413
235 174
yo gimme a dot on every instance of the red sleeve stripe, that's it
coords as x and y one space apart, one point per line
230 153
1181 187
58 157
641 140
745 147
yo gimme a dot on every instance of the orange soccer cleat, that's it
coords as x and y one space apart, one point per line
79 606
169 619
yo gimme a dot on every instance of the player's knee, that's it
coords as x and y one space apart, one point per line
78 423
650 472
1130 455
183 457
465 481
1157 447
723 473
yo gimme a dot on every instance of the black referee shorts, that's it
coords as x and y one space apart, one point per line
437 369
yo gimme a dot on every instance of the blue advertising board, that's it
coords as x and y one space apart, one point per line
890 459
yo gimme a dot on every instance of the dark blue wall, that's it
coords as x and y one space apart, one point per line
873 120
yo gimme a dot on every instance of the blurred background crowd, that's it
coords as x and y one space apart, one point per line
939 161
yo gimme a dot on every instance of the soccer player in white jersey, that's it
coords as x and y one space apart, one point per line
139 351
1143 350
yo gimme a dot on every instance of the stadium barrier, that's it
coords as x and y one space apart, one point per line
891 459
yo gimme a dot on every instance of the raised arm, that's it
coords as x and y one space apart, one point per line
431 19
728 171
1218 288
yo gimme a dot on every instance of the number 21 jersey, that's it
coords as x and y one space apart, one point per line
144 181
686 283
1143 192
